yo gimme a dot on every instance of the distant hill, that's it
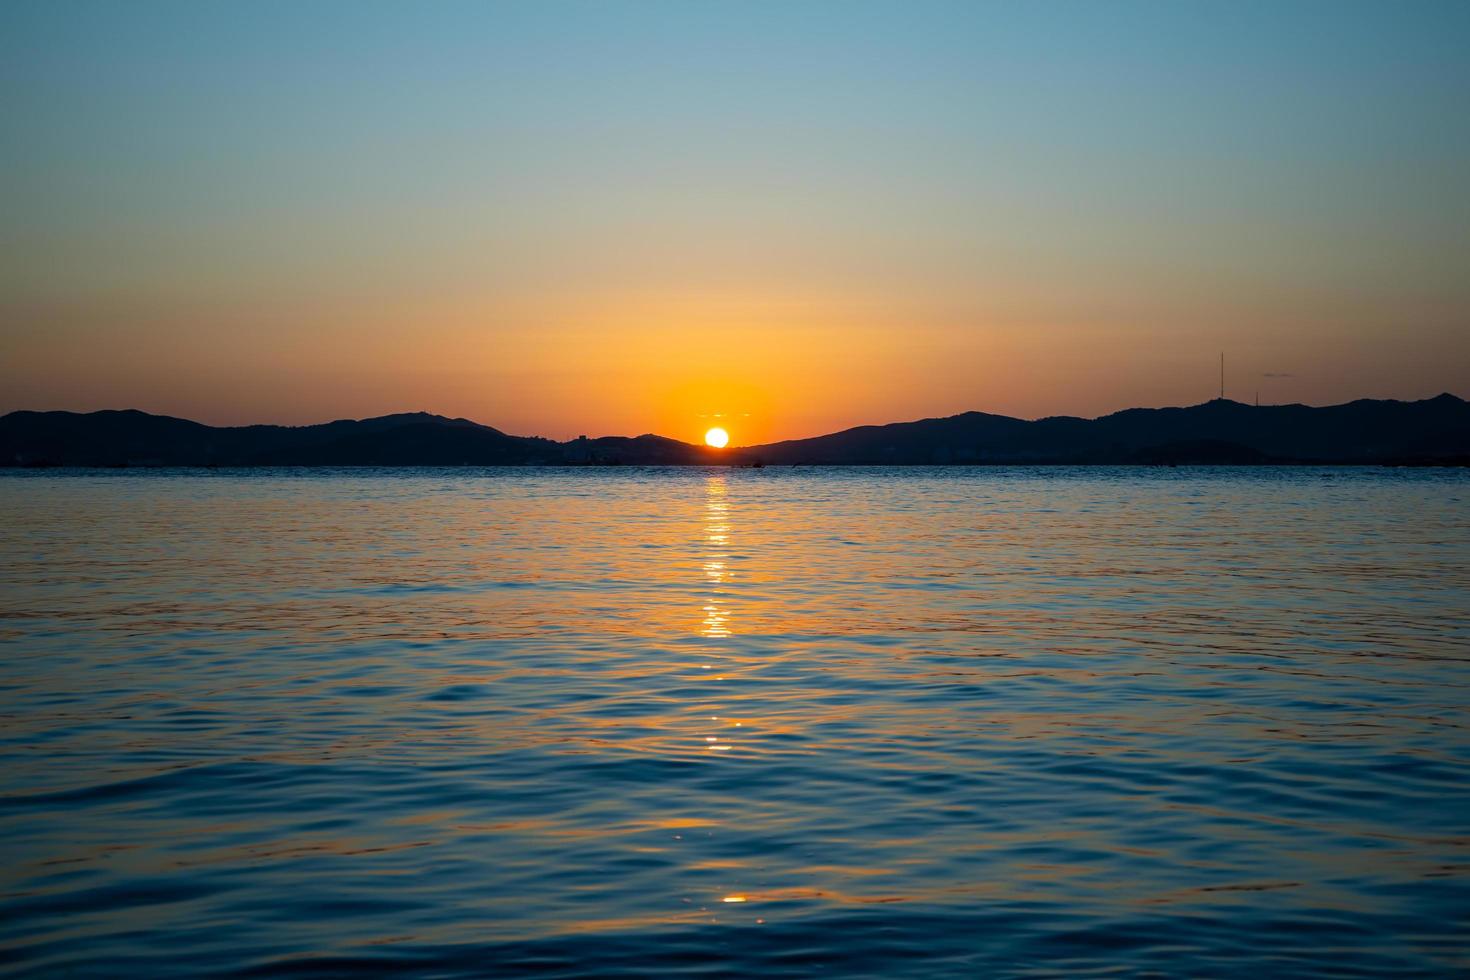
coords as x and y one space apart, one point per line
133 438
1216 432
1433 431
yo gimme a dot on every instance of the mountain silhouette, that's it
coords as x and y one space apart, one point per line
1432 431
1219 431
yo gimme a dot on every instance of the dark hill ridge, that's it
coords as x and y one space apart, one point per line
136 438
1219 431
1436 430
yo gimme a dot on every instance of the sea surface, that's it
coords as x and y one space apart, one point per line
631 722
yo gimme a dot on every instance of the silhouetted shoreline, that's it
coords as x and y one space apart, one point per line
1431 432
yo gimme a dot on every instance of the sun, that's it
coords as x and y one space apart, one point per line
716 437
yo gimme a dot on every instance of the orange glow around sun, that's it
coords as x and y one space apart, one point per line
717 437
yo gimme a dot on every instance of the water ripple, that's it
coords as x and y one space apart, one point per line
646 722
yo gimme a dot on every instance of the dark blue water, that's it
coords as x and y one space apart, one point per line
635 723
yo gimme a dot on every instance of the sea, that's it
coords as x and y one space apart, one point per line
780 722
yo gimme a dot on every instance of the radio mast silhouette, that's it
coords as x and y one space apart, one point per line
1222 376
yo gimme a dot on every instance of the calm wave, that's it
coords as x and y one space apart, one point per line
945 722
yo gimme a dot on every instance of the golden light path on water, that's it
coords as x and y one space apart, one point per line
716 555
716 623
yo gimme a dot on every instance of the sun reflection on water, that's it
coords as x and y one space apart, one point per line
716 551
714 561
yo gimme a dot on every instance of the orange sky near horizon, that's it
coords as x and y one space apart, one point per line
765 371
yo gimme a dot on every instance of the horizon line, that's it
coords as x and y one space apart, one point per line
642 435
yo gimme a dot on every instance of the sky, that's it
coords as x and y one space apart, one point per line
565 218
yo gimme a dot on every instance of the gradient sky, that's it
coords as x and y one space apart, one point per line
564 218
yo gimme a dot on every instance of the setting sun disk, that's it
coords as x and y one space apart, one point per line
718 438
